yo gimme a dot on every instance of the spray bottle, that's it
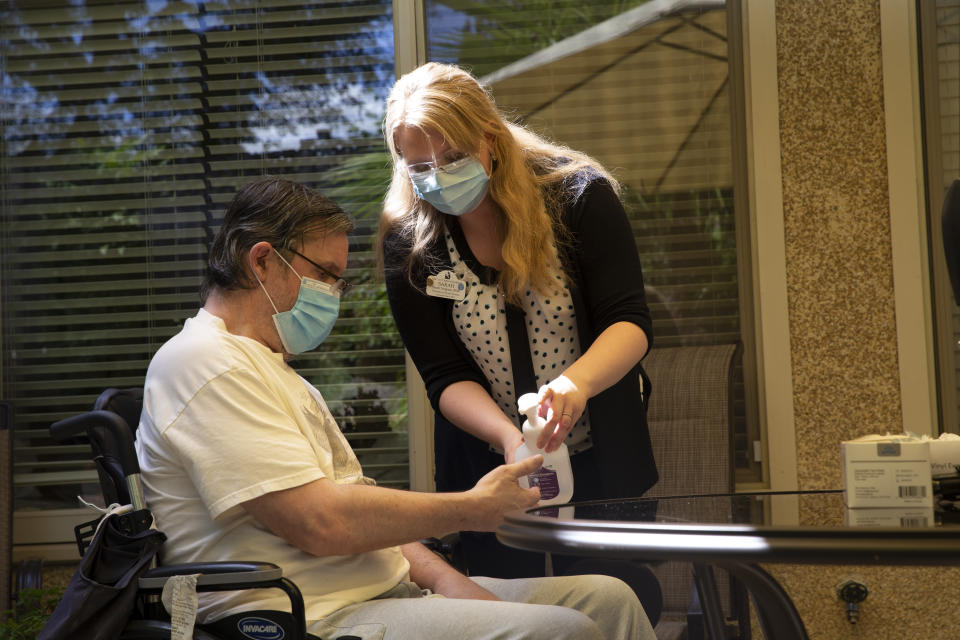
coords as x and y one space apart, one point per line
554 478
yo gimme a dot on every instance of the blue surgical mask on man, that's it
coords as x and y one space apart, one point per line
310 320
456 188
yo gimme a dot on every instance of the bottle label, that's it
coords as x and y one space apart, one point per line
547 481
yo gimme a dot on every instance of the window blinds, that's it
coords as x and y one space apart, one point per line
644 88
127 128
947 113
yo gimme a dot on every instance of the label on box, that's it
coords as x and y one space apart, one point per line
906 517
944 457
880 472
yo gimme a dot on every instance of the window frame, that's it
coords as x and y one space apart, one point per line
768 263
46 533
409 53
761 261
908 217
745 269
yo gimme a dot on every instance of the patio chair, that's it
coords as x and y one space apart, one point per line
691 427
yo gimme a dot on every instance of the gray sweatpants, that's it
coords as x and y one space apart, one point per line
560 608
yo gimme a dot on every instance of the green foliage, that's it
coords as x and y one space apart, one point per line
359 182
361 366
706 215
515 29
32 609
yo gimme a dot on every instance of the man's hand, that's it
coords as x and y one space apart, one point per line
499 491
431 572
457 585
325 518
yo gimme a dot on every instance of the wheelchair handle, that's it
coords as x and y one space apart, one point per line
103 427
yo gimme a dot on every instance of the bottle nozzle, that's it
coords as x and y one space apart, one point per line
529 405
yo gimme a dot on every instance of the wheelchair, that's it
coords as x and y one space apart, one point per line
110 429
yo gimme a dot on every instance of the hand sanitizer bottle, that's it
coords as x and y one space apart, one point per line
554 478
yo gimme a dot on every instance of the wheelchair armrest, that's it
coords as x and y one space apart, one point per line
213 573
231 576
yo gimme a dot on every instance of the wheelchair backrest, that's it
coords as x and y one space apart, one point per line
111 429
127 404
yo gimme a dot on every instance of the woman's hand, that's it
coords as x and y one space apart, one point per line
615 351
510 446
562 403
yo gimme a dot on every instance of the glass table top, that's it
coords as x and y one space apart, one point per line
813 509
810 527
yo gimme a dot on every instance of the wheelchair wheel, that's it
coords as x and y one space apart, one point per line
157 630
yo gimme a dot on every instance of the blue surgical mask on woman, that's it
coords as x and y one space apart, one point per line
455 188
310 320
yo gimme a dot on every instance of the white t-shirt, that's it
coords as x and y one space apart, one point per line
225 420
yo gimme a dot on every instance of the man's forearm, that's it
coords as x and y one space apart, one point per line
325 518
389 517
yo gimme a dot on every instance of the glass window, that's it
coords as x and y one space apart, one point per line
127 127
940 60
647 93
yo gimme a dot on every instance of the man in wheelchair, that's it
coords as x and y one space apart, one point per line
241 459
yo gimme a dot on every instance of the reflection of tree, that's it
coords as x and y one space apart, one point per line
685 234
687 244
360 183
126 130
369 395
499 31
342 111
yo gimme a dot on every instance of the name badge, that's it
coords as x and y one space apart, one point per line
446 284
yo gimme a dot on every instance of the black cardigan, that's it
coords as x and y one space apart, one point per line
607 287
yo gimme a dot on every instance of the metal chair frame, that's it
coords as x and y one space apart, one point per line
111 435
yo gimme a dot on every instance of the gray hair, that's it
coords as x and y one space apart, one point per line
274 210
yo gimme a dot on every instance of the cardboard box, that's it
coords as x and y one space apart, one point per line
944 455
887 471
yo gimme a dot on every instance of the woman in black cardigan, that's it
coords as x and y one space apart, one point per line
511 268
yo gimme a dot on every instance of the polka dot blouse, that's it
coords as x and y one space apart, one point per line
481 322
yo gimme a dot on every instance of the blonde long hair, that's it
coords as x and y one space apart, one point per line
531 180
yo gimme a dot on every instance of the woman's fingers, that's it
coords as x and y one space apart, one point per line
561 404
